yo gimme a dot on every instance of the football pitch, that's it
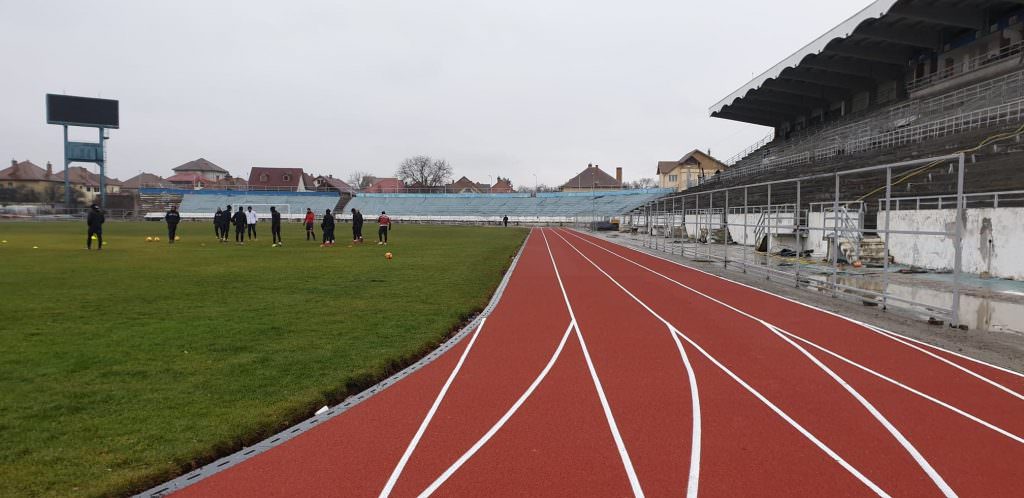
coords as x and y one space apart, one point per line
122 368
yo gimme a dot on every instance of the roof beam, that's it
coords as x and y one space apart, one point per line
871 70
874 54
827 79
773 117
745 119
948 16
769 95
776 107
902 36
807 89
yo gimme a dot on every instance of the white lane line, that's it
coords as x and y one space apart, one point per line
501 422
778 411
695 436
627 463
430 415
953 364
908 388
922 462
888 334
872 328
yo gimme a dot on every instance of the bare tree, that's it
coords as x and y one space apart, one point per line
424 170
643 183
359 179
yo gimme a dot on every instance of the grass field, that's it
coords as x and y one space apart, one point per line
122 368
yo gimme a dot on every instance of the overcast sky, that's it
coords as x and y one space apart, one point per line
508 88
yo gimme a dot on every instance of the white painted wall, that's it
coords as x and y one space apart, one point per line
1003 225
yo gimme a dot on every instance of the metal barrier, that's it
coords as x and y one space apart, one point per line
838 221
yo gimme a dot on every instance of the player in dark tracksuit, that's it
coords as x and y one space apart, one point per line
95 221
275 225
225 225
327 226
357 226
172 218
240 222
218 222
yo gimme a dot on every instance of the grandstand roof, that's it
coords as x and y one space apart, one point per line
80 176
591 177
871 47
200 165
28 171
696 158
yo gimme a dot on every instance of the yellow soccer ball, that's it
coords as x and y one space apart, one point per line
177 237
388 255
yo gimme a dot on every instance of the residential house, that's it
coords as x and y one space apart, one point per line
203 168
593 178
27 175
386 185
144 180
88 183
502 186
294 179
688 170
330 183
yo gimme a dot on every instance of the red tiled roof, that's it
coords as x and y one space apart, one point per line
147 179
591 177
386 185
26 171
276 177
200 165
80 176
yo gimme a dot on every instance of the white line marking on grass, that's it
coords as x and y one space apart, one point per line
878 330
430 415
501 422
900 438
778 411
627 463
908 388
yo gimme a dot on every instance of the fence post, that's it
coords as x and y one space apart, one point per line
885 262
835 238
961 214
768 239
725 232
796 233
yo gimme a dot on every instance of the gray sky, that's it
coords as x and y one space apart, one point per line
497 88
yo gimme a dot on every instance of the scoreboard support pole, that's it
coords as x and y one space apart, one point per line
103 172
67 180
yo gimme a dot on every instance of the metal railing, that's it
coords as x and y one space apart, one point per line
977 200
833 275
750 149
967 66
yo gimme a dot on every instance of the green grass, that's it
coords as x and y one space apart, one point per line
122 368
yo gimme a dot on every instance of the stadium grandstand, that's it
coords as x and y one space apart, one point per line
202 204
895 143
533 208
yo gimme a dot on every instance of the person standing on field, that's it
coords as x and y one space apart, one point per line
225 223
95 221
504 219
251 219
308 220
327 226
357 226
240 222
172 218
385 226
218 220
275 226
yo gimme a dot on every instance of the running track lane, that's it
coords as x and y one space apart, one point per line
521 412
973 458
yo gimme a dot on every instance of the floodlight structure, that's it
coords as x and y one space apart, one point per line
103 114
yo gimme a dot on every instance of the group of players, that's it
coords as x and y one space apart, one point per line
245 221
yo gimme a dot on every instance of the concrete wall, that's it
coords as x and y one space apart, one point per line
1004 257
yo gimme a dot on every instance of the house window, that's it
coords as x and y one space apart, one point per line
264 178
287 178
673 178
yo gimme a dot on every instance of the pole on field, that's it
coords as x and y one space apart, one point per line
885 262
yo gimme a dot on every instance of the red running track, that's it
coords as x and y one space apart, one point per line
604 371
